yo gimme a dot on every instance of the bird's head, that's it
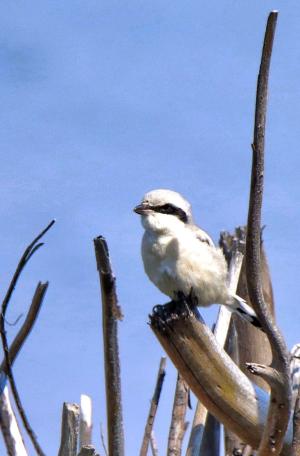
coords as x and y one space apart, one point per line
164 210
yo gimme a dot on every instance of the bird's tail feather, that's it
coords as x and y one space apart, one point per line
239 306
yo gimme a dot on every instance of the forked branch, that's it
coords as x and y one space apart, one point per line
29 251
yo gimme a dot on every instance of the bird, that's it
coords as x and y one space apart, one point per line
181 259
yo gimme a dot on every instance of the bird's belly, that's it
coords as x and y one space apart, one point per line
204 277
187 267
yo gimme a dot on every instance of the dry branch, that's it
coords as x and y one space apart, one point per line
85 424
111 313
27 326
29 251
153 444
211 374
9 427
153 406
69 430
280 400
178 424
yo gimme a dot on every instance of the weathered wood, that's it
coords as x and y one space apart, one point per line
153 406
9 427
111 313
211 374
85 424
178 425
295 380
153 444
280 401
210 445
69 430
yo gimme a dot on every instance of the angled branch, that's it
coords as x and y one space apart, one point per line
280 401
27 326
111 313
153 406
211 374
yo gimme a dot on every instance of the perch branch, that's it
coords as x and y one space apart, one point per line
211 374
111 312
153 406
280 400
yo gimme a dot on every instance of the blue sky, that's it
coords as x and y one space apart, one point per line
102 101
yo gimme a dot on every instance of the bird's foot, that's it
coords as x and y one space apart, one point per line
165 315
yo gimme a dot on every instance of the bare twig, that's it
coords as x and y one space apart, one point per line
29 251
103 441
26 328
9 427
153 406
69 430
111 312
280 401
177 428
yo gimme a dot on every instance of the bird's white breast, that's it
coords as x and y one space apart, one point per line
182 262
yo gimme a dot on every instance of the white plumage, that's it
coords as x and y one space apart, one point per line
180 257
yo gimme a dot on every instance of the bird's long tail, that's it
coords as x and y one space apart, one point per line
239 306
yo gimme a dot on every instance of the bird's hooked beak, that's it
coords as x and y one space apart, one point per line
142 209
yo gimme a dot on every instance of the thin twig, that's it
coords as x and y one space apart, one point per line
178 427
153 406
103 440
280 401
32 247
111 312
26 327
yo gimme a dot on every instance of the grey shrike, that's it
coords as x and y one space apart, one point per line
180 258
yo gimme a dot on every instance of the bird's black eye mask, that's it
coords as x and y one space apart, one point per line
172 210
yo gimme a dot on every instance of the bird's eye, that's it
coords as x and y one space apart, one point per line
172 210
167 209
